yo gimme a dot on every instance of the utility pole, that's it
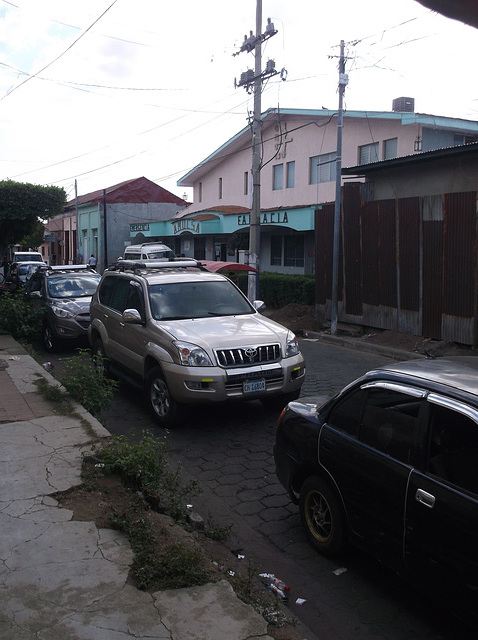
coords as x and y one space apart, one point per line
343 80
252 81
77 224
255 218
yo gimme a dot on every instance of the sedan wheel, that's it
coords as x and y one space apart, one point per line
322 516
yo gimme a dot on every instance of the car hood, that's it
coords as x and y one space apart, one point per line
227 331
75 305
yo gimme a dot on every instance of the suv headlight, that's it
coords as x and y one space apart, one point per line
191 355
61 313
292 345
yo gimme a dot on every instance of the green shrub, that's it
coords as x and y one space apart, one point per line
82 381
19 317
278 289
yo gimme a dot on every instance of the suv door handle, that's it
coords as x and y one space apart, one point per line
425 498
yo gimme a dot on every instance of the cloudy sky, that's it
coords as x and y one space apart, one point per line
101 91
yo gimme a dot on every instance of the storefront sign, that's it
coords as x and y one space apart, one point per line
144 226
270 217
186 225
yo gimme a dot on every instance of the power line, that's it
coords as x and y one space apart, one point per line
61 54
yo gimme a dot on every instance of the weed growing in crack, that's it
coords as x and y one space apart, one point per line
157 565
246 585
143 466
215 532
85 384
55 395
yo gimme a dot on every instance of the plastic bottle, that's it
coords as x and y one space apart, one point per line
280 589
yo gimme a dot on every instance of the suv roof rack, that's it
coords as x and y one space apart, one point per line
137 265
147 244
70 267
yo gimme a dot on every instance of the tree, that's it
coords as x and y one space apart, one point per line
23 206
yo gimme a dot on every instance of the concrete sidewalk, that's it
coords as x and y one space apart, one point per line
62 579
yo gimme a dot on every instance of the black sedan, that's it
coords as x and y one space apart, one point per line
390 464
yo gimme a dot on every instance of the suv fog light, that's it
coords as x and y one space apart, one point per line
198 385
296 373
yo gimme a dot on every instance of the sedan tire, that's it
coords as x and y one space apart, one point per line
322 516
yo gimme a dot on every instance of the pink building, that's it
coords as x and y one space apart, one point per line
298 175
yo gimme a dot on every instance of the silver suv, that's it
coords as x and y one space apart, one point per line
189 336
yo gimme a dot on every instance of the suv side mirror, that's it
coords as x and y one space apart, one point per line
259 305
132 316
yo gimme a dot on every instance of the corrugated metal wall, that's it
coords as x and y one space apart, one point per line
407 265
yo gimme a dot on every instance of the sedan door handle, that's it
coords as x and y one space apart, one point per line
425 498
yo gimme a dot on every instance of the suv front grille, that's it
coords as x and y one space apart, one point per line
248 356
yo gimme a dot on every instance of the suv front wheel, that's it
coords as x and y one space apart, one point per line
165 409
49 340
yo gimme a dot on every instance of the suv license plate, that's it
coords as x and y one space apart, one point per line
251 386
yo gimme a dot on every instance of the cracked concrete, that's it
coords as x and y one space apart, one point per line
62 579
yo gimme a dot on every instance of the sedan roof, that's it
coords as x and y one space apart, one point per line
459 372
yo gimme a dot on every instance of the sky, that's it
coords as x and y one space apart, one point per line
95 92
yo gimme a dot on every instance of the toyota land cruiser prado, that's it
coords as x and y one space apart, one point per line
189 336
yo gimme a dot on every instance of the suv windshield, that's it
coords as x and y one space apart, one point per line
179 300
73 285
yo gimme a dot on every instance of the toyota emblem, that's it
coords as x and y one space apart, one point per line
250 353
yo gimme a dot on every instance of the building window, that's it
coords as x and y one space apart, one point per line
200 192
294 251
276 250
220 189
322 168
277 177
368 153
290 175
246 182
459 139
390 148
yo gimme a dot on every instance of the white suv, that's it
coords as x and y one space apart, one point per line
189 336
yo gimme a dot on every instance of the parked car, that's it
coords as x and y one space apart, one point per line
27 256
189 336
65 293
390 464
148 251
24 270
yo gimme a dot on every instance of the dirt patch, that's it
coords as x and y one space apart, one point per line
97 501
301 320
